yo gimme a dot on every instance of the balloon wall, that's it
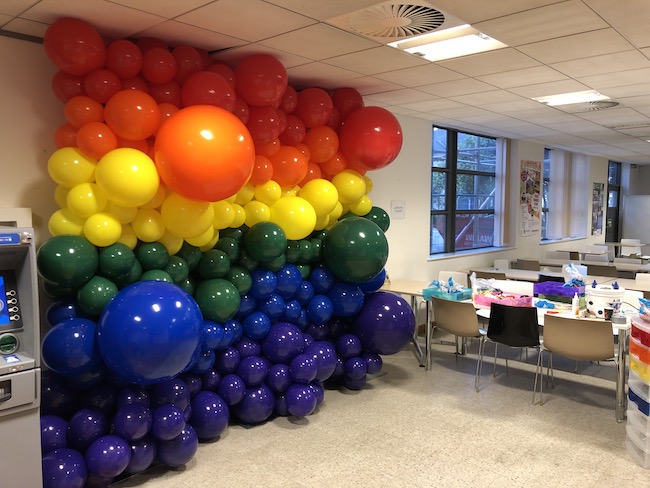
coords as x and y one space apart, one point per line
215 257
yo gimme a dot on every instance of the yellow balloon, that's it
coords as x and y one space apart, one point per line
290 191
64 221
128 237
102 229
322 222
186 218
268 193
362 206
68 167
369 184
295 216
336 213
124 214
203 239
256 212
128 176
245 195
157 199
172 242
322 195
210 245
148 225
240 216
86 199
350 185
224 214
61 195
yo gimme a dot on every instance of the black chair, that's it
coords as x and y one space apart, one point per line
510 326
544 277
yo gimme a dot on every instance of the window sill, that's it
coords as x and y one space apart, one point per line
469 252
562 239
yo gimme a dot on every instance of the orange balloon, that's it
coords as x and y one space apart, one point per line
65 136
322 142
289 166
304 150
313 172
268 149
81 109
262 171
96 139
335 164
166 111
132 115
205 153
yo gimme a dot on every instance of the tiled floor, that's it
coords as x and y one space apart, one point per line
415 428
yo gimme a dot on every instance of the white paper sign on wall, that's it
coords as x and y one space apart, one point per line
397 209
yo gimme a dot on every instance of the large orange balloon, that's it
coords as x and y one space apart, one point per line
322 142
205 153
74 46
289 166
132 115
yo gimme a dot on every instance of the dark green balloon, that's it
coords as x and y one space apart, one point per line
156 275
213 264
191 255
320 234
275 264
189 285
305 270
355 250
265 241
152 255
230 246
56 292
95 294
218 299
177 268
241 278
131 277
293 251
67 261
116 260
306 251
378 216
246 261
317 249
236 234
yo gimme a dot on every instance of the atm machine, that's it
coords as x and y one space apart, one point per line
20 365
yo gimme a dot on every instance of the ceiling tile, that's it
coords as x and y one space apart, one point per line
615 116
456 87
376 60
433 105
487 98
490 62
631 18
472 12
235 55
368 85
165 8
552 88
400 97
320 75
551 21
324 10
420 75
14 7
605 63
522 77
622 78
176 33
26 27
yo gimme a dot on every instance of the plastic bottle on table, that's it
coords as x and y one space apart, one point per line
575 304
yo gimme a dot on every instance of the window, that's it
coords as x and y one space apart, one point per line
546 179
463 191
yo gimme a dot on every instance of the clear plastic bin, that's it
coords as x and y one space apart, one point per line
641 404
639 350
640 368
637 453
637 419
639 385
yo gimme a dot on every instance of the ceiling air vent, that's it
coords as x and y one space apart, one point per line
578 108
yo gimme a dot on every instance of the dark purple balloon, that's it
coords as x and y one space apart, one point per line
227 360
84 427
64 468
231 388
319 391
283 343
355 367
324 355
318 331
174 391
253 370
354 383
256 406
303 368
54 432
248 347
279 378
167 422
57 397
108 456
373 361
102 397
179 450
133 422
348 346
346 298
281 406
210 415
211 380
301 400
133 394
193 382
143 454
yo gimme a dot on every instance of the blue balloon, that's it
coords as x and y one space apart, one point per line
322 279
211 380
133 394
317 331
168 422
348 345
64 468
283 342
373 284
210 415
289 279
305 292
108 456
273 307
248 347
143 454
54 430
301 400
303 368
355 367
174 392
57 397
324 355
279 378
346 298
132 422
256 326
234 328
253 370
386 323
264 283
320 309
61 311
373 362
227 360
292 310
205 362
232 389
70 347
150 332
212 334
256 406
84 427
179 450
247 304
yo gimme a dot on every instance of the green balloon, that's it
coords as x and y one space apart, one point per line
191 255
131 277
355 250
56 292
177 268
213 264
276 263
378 216
306 251
156 275
293 251
95 294
189 285
218 299
317 249
320 234
67 261
152 255
230 246
246 261
305 270
235 233
265 241
116 260
241 278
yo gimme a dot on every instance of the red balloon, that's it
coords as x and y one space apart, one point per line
347 100
323 142
289 166
101 84
166 92
74 46
204 153
188 62
208 88
224 70
242 110
263 124
295 131
141 145
158 65
65 136
335 120
147 43
370 137
166 111
132 115
65 86
95 139
82 109
268 149
289 100
261 80
314 107
123 58
135 83
205 57
262 171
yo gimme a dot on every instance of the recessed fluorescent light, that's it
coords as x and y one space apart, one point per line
569 98
449 43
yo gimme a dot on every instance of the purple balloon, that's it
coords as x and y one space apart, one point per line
133 394
133 422
64 468
354 383
253 370
279 378
211 380
168 421
346 298
318 331
103 397
319 391
193 382
281 406
175 392
303 368
355 367
256 406
84 427
57 397
143 454
348 346
232 389
54 430
324 355
385 324
373 362
248 347
108 456
227 360
70 349
180 449
301 400
283 343
210 415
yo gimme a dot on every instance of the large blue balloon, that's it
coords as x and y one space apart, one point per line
210 415
385 325
150 332
64 468
70 348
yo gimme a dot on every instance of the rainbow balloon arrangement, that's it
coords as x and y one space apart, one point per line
215 256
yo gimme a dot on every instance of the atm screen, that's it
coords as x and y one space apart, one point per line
4 309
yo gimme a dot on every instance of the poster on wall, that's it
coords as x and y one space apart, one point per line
598 202
531 177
